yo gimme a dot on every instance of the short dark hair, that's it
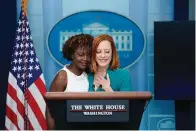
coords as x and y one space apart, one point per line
80 40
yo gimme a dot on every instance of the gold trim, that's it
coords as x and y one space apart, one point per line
24 4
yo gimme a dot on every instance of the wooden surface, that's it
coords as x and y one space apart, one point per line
97 95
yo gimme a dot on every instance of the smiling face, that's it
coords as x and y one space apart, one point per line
81 58
104 54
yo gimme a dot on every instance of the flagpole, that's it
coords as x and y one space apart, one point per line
24 4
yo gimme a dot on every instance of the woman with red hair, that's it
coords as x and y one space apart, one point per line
106 74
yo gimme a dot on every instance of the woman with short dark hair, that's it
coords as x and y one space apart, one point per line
73 77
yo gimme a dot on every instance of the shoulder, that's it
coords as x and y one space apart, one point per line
61 77
62 74
120 71
120 74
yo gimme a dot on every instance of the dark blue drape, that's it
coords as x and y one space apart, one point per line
7 34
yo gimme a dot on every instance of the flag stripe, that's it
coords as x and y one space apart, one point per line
35 108
11 99
9 124
12 116
13 82
33 120
14 85
30 126
36 94
42 79
39 82
12 104
12 93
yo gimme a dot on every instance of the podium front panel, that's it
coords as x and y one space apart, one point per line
136 109
97 110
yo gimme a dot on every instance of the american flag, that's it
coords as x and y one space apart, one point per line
25 105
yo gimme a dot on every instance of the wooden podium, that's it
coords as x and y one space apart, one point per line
57 103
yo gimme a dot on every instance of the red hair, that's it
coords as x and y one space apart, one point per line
114 64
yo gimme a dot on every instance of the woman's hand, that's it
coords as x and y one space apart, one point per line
101 81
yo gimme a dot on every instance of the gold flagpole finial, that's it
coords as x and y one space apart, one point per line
24 4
